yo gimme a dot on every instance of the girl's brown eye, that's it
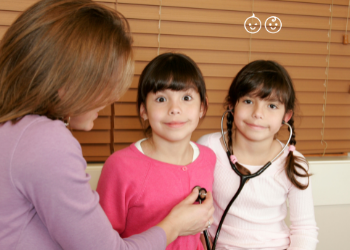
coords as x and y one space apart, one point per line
187 98
160 99
247 101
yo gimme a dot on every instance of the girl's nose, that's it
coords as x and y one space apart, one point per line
258 112
174 109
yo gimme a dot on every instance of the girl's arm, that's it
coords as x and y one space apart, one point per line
303 227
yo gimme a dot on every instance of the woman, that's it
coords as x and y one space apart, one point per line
61 62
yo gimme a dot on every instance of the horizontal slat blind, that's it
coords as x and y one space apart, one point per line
212 33
96 144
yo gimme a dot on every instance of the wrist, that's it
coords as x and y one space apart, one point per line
171 231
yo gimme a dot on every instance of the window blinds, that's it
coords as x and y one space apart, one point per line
309 45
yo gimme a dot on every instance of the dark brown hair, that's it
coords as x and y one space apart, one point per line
264 79
76 46
173 71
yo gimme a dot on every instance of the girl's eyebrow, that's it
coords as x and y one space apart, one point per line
190 90
269 98
273 99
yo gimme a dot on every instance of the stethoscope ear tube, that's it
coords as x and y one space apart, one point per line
243 179
206 237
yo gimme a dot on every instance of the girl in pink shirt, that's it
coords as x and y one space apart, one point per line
260 97
141 183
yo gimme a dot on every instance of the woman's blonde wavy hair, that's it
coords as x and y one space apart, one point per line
78 47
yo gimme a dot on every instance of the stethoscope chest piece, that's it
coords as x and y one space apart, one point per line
202 194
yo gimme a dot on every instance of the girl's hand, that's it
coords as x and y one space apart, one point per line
187 218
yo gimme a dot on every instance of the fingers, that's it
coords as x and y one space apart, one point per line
191 198
208 205
211 213
195 217
209 198
208 202
209 223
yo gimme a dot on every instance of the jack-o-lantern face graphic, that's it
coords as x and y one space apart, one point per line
252 24
273 24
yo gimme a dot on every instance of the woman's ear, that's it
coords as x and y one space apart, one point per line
61 93
288 115
143 112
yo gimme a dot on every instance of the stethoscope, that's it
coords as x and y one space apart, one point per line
243 180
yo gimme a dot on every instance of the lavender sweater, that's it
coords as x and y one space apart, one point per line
45 199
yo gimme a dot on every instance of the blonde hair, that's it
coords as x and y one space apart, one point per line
77 46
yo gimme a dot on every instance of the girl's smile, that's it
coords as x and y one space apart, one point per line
254 126
175 124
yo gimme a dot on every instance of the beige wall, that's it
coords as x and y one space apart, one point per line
334 227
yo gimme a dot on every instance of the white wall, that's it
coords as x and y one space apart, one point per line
334 227
331 192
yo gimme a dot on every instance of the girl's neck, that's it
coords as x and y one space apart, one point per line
254 153
177 153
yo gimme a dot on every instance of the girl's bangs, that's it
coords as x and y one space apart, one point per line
173 84
265 85
175 77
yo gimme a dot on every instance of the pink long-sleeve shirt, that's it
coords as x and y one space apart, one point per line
256 219
46 201
137 192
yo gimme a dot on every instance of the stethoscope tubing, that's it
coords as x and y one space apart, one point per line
243 180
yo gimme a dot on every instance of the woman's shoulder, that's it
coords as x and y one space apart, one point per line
41 133
47 141
47 147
